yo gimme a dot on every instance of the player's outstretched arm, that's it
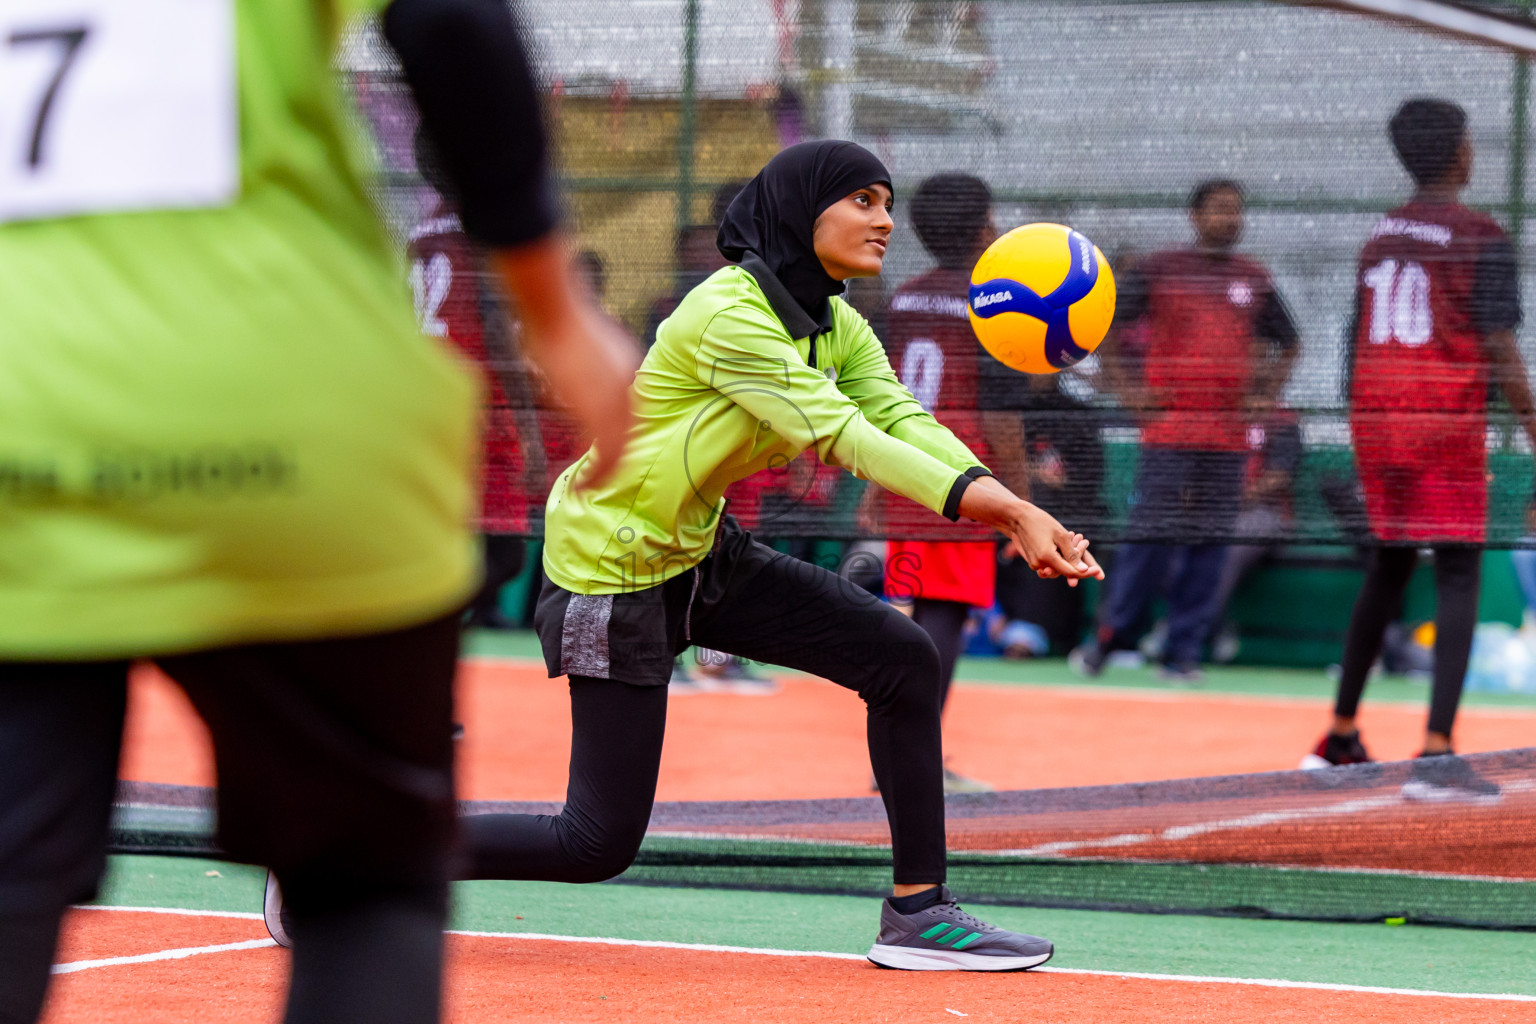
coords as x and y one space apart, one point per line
1049 548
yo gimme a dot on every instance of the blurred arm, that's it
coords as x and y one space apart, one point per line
1496 312
1276 344
473 85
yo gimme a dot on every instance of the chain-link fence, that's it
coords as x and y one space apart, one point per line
1101 115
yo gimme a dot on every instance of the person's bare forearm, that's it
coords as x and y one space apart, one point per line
542 283
1509 371
1047 546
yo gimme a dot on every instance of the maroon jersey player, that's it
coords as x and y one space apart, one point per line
1436 309
935 354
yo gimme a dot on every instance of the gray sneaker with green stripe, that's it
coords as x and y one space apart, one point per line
945 938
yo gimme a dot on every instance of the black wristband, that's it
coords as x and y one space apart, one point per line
956 489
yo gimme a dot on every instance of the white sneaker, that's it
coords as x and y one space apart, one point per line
273 913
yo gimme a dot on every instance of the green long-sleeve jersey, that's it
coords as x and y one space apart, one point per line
740 378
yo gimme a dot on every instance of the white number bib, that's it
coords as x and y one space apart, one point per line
115 105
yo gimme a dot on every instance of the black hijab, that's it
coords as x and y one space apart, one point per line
774 215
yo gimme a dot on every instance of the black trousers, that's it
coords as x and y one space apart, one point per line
750 601
335 769
1458 573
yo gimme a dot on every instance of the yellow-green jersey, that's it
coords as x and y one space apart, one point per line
740 379
218 421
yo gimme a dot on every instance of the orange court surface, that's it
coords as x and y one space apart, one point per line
807 741
228 972
163 964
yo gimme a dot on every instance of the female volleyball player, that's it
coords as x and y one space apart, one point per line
758 363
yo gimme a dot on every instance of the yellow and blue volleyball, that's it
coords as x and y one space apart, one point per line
1042 298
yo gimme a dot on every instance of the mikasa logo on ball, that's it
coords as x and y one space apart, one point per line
983 301
1086 248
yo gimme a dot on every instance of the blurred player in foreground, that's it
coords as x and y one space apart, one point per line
1438 302
228 449
759 363
935 354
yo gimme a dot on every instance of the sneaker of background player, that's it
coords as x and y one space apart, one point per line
1182 673
274 913
719 673
1226 644
955 783
1087 659
942 937
1152 643
1334 750
1446 778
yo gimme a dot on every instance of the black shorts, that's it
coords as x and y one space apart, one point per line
334 758
634 637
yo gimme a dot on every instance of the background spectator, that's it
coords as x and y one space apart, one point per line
1219 345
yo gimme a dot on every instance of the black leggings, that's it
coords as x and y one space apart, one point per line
754 603
616 733
1458 572
335 769
944 621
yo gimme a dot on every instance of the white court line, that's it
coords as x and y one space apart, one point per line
174 954
1192 978
242 915
1179 832
164 954
1256 820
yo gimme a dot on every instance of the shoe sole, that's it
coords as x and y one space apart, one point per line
272 913
905 958
1312 763
1427 792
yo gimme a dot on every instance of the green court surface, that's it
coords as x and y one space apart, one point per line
1269 682
1424 958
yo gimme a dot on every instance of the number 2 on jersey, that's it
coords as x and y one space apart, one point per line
1400 309
430 283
